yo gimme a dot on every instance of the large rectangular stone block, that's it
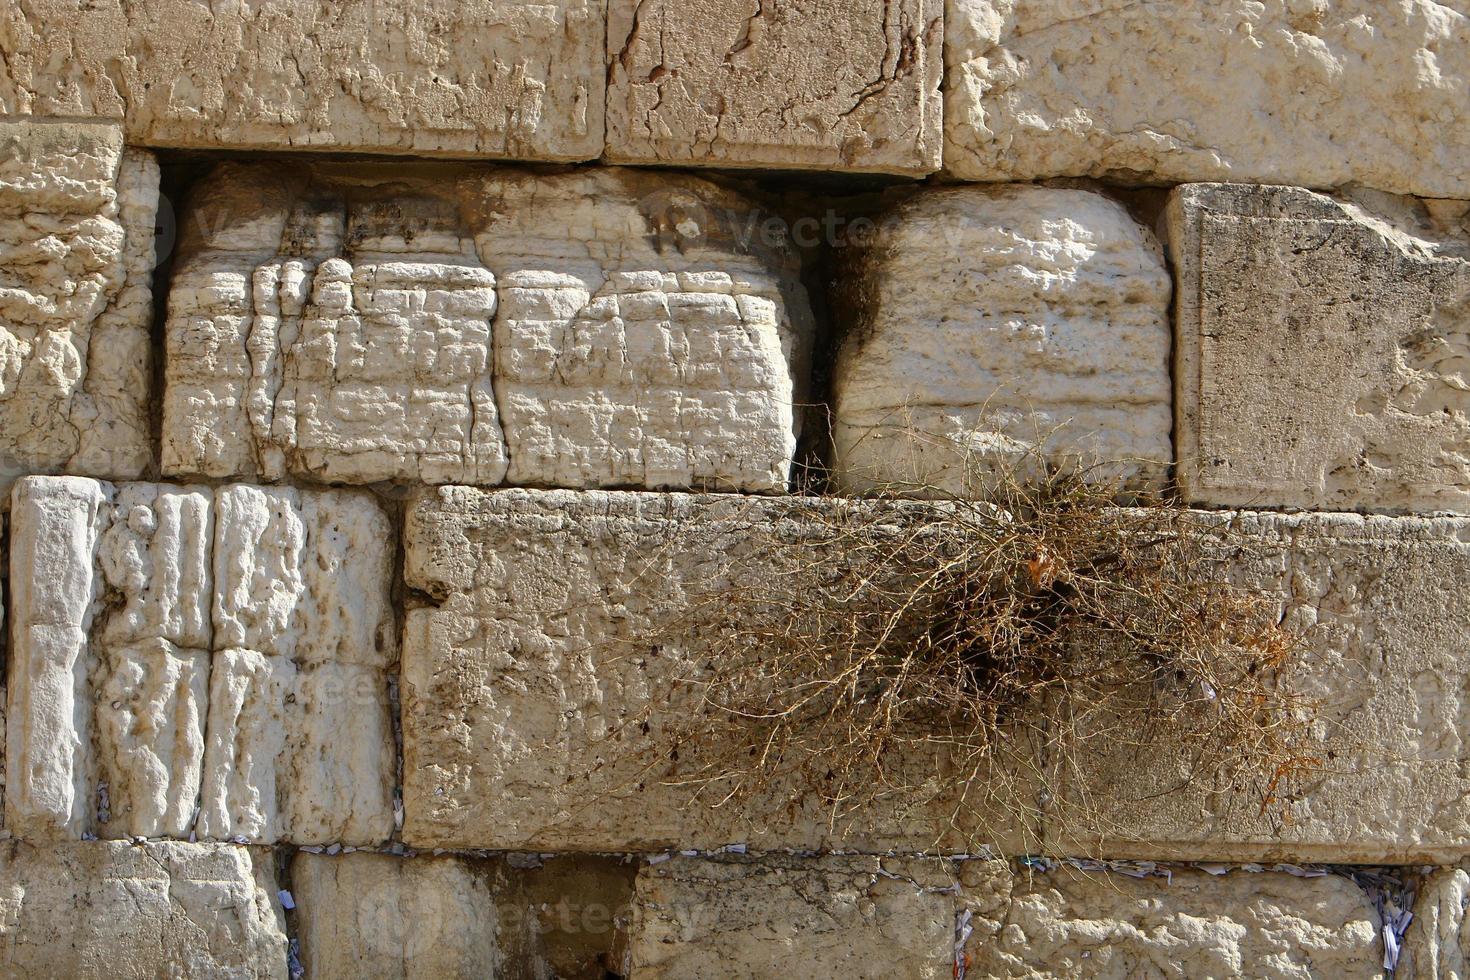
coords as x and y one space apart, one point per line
517 79
604 328
107 909
1321 350
187 660
846 85
533 659
1322 93
76 242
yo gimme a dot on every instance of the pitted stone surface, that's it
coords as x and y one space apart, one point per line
1437 944
76 242
1383 618
1180 924
514 684
861 917
164 669
847 86
986 322
1322 349
1320 93
607 328
378 917
105 909
517 79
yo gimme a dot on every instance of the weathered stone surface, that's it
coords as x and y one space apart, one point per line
379 917
1437 944
848 86
525 689
181 651
1320 93
605 328
986 322
1322 350
485 78
76 243
1382 611
103 910
1068 923
862 917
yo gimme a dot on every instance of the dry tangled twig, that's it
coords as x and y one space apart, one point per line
956 653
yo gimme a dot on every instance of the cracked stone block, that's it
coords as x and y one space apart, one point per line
134 709
1437 944
106 909
862 917
1384 619
485 78
1314 93
76 240
990 323
1322 349
517 684
381 917
1179 923
466 324
802 84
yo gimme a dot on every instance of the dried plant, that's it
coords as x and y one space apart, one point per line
963 657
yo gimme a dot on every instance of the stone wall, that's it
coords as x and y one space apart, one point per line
375 375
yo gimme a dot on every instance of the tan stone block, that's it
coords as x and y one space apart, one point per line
1320 350
538 653
1179 923
1382 613
76 241
104 909
596 328
800 84
132 704
860 917
1320 94
1437 943
984 322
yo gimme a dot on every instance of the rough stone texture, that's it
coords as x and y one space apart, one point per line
604 328
1383 613
1318 93
485 78
378 917
1322 350
513 684
985 322
1437 945
113 911
1069 923
847 85
180 645
861 917
76 244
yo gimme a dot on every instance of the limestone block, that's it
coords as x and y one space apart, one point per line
865 917
103 909
985 322
1383 615
76 241
461 324
535 656
1321 350
1437 944
134 705
1068 922
487 78
847 86
1320 93
379 917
